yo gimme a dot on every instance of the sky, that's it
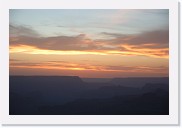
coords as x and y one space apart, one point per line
89 43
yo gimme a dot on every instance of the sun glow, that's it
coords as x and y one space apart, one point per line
34 50
156 53
85 67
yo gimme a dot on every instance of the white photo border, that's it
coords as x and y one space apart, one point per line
171 119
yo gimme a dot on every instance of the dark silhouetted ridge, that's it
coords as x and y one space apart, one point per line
138 81
69 95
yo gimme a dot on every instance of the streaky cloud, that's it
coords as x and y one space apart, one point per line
149 43
16 31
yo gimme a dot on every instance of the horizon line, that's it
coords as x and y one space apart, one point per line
88 77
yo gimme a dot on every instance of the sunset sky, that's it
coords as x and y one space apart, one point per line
89 42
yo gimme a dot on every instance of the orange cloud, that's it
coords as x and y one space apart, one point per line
137 50
152 44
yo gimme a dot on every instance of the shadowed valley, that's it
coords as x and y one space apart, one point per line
71 95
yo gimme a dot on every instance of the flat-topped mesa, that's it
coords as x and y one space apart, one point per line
62 79
43 82
50 78
66 80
